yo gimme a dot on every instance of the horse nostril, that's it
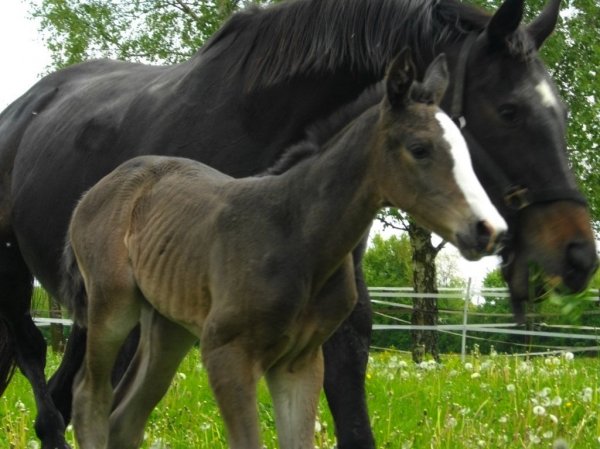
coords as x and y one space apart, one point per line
582 256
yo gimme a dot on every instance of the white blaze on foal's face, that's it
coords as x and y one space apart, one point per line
465 176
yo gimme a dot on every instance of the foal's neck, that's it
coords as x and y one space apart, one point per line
336 192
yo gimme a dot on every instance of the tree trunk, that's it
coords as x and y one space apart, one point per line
425 310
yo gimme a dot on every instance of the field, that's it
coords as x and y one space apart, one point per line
491 401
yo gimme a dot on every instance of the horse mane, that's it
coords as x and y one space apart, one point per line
319 133
305 37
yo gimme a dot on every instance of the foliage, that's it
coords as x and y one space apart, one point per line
152 31
491 401
387 262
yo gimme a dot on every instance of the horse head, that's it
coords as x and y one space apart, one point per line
515 123
425 167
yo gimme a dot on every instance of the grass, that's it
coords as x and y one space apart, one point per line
491 401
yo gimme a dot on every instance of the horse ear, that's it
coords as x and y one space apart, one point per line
436 78
505 21
544 24
399 78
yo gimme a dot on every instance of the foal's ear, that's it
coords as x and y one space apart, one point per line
436 78
400 76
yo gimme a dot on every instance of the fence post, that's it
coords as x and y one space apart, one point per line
463 344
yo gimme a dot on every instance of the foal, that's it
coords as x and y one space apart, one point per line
259 269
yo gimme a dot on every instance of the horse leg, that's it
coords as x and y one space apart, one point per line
162 346
346 355
109 323
233 377
295 391
29 350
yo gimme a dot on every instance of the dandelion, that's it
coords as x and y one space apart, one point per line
586 394
538 410
475 376
469 366
451 422
547 435
511 388
556 401
544 392
568 356
503 419
181 376
553 418
534 438
318 427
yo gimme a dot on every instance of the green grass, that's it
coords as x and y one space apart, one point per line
489 402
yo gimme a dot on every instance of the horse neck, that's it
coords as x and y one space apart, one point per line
330 56
335 194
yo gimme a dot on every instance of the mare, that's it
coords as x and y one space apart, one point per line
251 91
259 268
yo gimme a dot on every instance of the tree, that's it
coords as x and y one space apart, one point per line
425 310
151 31
387 262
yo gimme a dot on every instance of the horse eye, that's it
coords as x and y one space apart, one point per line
419 151
508 113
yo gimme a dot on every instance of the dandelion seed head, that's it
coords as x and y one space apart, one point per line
560 444
539 410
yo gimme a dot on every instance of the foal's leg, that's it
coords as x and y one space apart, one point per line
162 346
295 391
109 322
233 376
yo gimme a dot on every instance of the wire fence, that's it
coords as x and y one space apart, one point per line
393 303
386 300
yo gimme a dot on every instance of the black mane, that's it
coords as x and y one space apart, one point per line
319 36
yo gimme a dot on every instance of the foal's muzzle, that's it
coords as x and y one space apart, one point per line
480 239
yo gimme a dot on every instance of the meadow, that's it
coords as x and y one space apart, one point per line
490 401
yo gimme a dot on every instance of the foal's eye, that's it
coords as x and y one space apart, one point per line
419 151
508 113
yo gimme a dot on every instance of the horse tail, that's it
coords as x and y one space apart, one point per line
72 289
8 361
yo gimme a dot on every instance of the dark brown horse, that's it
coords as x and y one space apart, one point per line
246 95
259 269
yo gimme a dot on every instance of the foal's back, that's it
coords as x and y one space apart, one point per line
141 215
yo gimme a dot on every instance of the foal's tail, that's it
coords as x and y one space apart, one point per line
72 288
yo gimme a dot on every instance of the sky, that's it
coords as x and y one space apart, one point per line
23 58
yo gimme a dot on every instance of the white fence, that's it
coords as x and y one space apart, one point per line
389 296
